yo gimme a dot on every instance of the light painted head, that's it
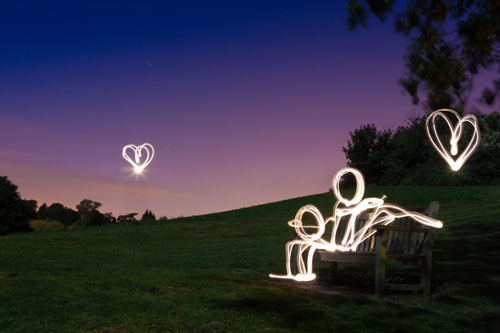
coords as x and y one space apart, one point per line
360 186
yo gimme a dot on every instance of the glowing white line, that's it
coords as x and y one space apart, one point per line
456 134
136 163
360 186
381 213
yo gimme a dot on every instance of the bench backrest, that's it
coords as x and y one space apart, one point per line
405 237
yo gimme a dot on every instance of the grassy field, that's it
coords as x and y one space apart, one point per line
210 273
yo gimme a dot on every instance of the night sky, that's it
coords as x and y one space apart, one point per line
245 102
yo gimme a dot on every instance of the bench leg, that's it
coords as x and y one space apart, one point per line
379 277
332 274
426 273
380 267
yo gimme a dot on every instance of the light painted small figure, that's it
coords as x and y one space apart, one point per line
381 213
136 162
456 134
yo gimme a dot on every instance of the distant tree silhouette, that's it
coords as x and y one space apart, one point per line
89 214
148 216
366 149
110 218
57 212
15 212
86 206
449 41
127 218
42 211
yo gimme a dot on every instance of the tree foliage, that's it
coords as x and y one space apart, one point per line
86 206
89 214
449 42
57 212
110 218
127 218
15 212
148 216
407 157
365 149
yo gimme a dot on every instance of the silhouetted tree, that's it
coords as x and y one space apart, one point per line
110 218
365 150
42 211
15 212
449 41
148 216
89 214
57 212
127 218
94 218
69 216
86 206
412 160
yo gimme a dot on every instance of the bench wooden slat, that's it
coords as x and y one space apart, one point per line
403 241
404 237
411 243
352 257
403 287
389 234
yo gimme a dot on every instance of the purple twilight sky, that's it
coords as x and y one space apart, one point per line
244 102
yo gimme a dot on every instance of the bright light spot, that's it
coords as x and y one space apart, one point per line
136 162
456 134
381 213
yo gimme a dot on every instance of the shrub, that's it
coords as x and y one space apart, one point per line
43 225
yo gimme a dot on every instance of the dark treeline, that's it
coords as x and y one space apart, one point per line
19 215
14 211
406 157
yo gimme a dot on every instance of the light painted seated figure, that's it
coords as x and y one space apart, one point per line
381 213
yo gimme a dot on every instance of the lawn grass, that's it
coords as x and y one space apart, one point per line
210 273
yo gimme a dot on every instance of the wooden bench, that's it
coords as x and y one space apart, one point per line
403 241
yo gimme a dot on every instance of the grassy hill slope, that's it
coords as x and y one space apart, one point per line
209 273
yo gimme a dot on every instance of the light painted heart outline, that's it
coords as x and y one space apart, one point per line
138 168
456 134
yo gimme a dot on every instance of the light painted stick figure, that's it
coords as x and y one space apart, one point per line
381 213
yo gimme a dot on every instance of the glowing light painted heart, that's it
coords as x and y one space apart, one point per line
456 134
136 162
